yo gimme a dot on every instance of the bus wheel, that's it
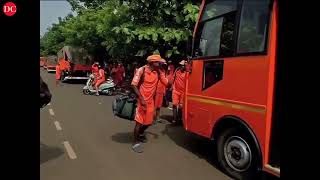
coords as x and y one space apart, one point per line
238 155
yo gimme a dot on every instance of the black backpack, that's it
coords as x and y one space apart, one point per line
45 95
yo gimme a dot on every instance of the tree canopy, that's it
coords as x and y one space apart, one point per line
124 29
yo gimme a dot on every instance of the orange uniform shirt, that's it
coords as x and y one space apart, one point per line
179 81
101 76
161 88
149 84
95 70
64 65
119 72
58 72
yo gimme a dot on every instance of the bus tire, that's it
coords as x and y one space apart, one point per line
238 154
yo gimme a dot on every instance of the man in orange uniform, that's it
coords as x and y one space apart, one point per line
119 74
58 74
170 70
144 84
110 69
95 71
160 92
113 73
64 65
178 91
100 79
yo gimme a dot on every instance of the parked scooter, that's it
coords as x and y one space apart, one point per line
106 88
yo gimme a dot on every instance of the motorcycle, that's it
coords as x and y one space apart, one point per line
106 88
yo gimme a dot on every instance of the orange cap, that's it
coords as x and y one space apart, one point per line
154 58
163 61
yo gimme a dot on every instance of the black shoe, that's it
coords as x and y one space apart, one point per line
143 139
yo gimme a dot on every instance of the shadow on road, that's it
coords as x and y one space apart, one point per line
168 118
75 81
48 153
202 147
126 137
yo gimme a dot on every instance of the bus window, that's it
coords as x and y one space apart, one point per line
217 8
212 73
215 35
210 38
253 26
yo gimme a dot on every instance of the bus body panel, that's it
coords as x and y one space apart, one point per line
245 91
271 86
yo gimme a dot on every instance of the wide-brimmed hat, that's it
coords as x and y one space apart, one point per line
154 58
163 61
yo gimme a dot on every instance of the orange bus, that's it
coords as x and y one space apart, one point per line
231 87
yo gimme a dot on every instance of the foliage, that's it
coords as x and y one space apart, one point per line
124 29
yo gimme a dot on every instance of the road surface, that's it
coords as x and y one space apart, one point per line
80 139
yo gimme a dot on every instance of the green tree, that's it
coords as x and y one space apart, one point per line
124 29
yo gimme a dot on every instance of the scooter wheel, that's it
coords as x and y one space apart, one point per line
86 91
110 93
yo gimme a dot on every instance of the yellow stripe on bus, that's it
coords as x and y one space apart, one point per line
227 104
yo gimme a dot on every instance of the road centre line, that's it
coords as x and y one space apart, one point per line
70 151
51 112
58 126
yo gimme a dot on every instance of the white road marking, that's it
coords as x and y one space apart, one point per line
51 112
71 153
57 124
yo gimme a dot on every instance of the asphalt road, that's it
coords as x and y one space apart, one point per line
80 139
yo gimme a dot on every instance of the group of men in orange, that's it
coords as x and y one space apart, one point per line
149 84
117 73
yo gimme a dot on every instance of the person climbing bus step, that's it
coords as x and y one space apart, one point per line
178 92
144 84
160 93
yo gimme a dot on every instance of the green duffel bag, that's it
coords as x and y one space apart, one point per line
125 107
